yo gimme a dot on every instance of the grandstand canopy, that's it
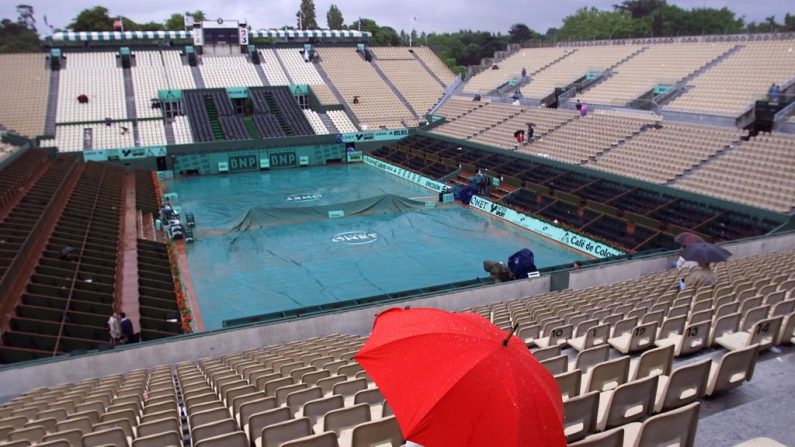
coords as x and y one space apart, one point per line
70 36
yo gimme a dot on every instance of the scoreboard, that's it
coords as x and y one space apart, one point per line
220 31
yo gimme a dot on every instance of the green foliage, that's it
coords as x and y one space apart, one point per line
520 32
334 18
309 19
594 24
464 47
16 38
177 21
92 19
640 8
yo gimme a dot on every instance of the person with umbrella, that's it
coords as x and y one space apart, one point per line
684 239
704 254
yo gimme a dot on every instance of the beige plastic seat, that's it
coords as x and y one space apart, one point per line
327 439
675 325
556 365
763 333
350 370
579 416
760 442
55 443
261 420
297 399
595 336
684 385
350 387
693 339
612 438
30 434
654 362
206 417
606 376
273 385
529 333
239 401
569 383
378 432
591 357
627 403
343 421
159 426
212 429
787 333
315 409
84 425
557 336
276 434
167 438
674 427
640 338
114 436
327 384
726 324
74 437
253 407
546 353
282 393
124 424
734 368
236 439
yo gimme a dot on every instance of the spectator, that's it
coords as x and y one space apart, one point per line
578 105
476 97
124 130
114 327
356 100
127 331
703 276
530 132
108 121
524 73
584 110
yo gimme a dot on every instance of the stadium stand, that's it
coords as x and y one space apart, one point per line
274 71
80 137
456 107
154 71
97 76
152 133
24 90
731 87
377 105
533 61
341 121
315 122
543 120
324 94
19 173
156 296
280 103
759 171
576 66
300 71
659 155
432 61
229 71
651 68
182 132
419 88
476 121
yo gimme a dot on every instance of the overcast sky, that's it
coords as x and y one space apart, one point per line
438 15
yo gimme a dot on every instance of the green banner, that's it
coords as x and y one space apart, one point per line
354 157
299 89
565 237
237 92
169 95
124 154
405 174
375 135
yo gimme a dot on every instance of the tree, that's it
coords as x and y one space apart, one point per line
93 19
307 14
593 24
177 21
385 36
334 18
520 32
640 8
17 38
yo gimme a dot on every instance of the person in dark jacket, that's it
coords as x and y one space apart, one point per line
127 331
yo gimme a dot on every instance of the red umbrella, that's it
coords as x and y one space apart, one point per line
456 380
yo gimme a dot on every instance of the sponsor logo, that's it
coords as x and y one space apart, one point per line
355 238
304 197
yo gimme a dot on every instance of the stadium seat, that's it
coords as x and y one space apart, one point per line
236 439
733 368
580 416
164 438
607 375
378 432
684 385
674 427
612 438
627 403
763 334
276 434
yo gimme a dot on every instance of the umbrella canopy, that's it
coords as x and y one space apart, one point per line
704 253
687 238
456 380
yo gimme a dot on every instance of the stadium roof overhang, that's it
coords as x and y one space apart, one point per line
94 36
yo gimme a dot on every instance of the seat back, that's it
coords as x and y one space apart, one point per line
546 353
695 337
781 309
569 383
276 434
124 424
612 438
345 418
725 325
579 416
753 316
624 326
597 335
273 385
350 387
673 325
55 443
674 427
643 337
73 437
297 399
171 438
283 392
686 384
560 334
30 434
258 421
159 426
314 409
733 369
556 365
371 396
787 333
328 439
655 362
206 417
608 375
378 433
213 429
765 332
592 356
631 401
114 436
235 439
327 384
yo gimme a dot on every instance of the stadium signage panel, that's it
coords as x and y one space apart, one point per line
243 162
283 159
304 197
377 135
573 240
405 174
355 238
124 154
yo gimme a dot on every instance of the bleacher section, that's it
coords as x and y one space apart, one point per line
511 68
24 89
154 71
315 122
229 71
182 132
324 94
610 348
300 71
455 107
17 174
658 155
352 76
341 121
97 76
757 172
152 133
659 64
272 68
470 124
435 64
158 303
731 87
276 113
75 137
419 88
576 66
543 120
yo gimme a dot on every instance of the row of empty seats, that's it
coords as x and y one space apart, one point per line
419 88
479 119
432 61
154 71
341 121
79 137
543 121
231 71
97 76
24 89
299 70
315 122
181 127
273 70
532 60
